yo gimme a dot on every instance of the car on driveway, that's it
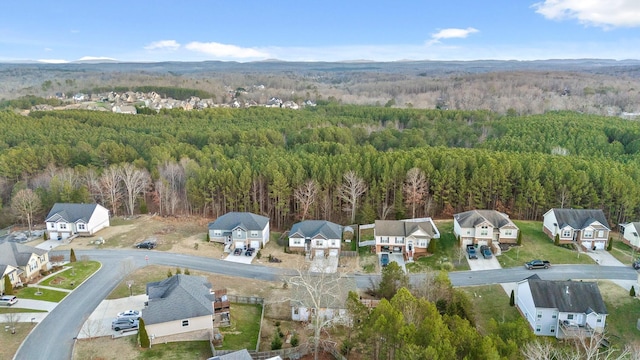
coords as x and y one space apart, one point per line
636 264
486 252
249 252
237 251
129 314
124 324
384 259
471 251
8 300
147 244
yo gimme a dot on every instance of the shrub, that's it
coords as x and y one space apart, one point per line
169 274
294 340
72 256
519 237
178 271
512 299
432 246
632 291
556 240
208 237
8 287
187 272
258 254
195 246
447 265
45 236
610 244
276 343
142 335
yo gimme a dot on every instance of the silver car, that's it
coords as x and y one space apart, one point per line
124 324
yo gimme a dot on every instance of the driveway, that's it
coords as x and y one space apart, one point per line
99 322
399 259
484 264
604 258
328 265
242 259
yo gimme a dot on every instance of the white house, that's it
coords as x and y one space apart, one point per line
66 220
319 238
630 233
178 305
563 309
484 227
587 227
240 229
408 237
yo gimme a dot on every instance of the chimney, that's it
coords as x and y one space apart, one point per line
566 289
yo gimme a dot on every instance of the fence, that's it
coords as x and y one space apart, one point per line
245 299
289 353
348 253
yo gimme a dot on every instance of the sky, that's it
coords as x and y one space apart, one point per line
310 30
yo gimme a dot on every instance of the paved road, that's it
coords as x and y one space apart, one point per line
53 338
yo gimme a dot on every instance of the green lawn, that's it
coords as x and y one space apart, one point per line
623 252
624 312
140 279
490 302
8 310
47 295
178 351
244 329
536 245
74 276
447 253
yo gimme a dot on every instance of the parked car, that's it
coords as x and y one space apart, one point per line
537 264
8 300
636 264
129 314
249 251
471 251
384 259
147 244
486 252
237 251
124 324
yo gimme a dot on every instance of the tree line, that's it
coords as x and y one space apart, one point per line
340 163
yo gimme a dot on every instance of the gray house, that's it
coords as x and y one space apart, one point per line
240 229
587 227
178 305
317 237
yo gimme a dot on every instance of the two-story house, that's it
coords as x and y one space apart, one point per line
27 260
318 238
631 233
13 273
408 237
240 230
484 227
66 220
587 227
564 309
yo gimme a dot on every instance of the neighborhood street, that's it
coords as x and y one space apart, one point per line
53 338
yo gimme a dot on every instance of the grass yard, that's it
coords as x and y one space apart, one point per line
178 351
47 295
490 302
9 343
448 255
12 310
74 276
536 245
623 252
624 312
140 279
244 329
127 348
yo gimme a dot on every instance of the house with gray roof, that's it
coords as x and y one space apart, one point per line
240 230
22 262
318 238
564 309
484 227
631 233
14 276
179 305
66 220
408 237
586 227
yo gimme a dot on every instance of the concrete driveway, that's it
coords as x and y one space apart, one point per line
99 322
242 259
328 265
484 264
604 258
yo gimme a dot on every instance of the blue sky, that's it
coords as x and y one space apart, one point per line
330 30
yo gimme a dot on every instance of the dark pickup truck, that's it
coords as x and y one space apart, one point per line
471 251
537 264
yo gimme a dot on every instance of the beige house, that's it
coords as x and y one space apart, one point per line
21 262
179 308
14 276
408 237
586 227
484 227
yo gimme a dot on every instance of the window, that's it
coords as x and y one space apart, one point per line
570 317
600 233
555 315
599 320
81 227
468 232
539 314
538 328
254 234
333 243
588 234
297 241
484 230
552 329
399 240
319 242
63 226
52 225
239 233
566 233
185 322
296 311
422 243
508 232
384 240
217 232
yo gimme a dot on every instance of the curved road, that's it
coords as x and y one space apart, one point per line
53 338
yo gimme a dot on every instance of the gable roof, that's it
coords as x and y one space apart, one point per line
579 218
178 297
469 219
16 255
567 296
313 228
402 228
245 220
71 213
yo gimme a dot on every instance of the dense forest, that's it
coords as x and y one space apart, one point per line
341 163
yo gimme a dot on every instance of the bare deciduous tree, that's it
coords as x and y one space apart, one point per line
415 188
110 185
135 183
306 195
24 204
352 188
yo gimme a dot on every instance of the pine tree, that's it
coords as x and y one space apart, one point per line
512 299
8 287
556 241
72 256
143 337
276 343
610 244
632 291
45 236
432 246
519 237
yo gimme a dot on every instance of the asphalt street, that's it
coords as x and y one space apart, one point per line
54 337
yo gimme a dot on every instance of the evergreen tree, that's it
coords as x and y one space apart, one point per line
45 236
512 299
8 287
276 343
72 256
519 237
143 337
632 291
610 244
556 240
432 246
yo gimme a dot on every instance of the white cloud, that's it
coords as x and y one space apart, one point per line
601 13
53 61
48 49
95 58
225 50
163 45
451 33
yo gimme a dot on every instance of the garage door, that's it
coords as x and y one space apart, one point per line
65 235
599 245
53 236
466 242
255 244
483 242
333 252
239 244
587 244
319 254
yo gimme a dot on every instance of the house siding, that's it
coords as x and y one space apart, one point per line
170 328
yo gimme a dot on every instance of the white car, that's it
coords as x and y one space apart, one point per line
8 300
129 314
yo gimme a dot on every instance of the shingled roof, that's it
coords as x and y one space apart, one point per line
245 220
178 297
402 228
567 296
16 255
469 219
579 218
313 228
71 213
